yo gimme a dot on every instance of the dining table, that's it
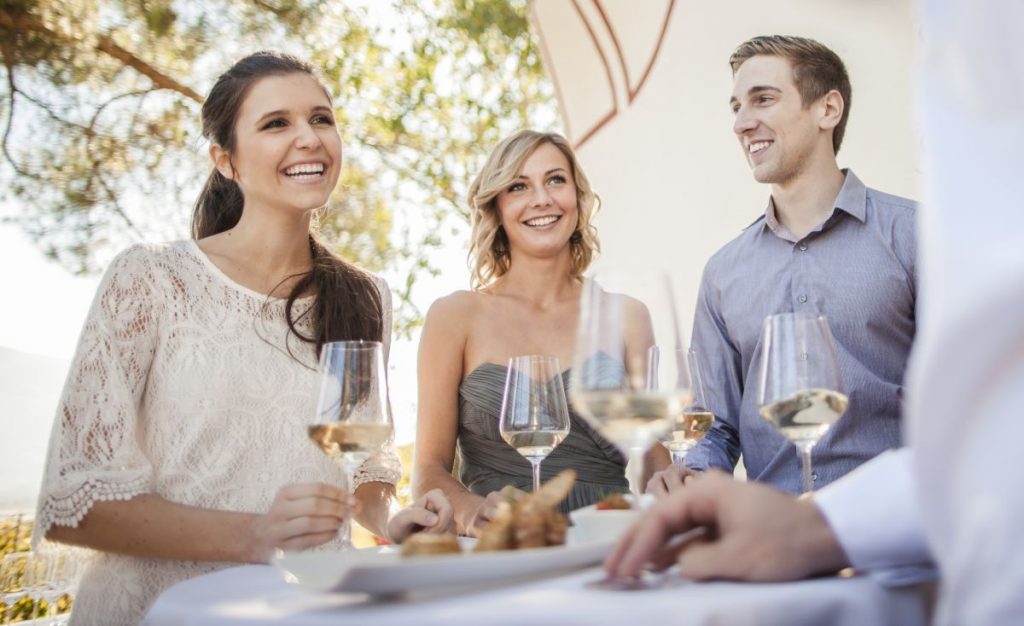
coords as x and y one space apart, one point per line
260 594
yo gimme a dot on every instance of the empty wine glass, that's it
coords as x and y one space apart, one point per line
534 414
629 377
801 392
353 417
695 419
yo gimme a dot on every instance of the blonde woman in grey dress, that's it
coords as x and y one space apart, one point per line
532 239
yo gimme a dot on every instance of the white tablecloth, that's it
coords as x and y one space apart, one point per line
257 594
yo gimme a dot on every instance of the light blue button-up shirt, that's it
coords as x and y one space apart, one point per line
858 269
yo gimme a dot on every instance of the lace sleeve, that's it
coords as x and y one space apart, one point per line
94 452
384 466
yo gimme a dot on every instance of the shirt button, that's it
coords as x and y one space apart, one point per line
803 247
814 475
802 299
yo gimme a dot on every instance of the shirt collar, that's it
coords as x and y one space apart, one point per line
853 197
852 200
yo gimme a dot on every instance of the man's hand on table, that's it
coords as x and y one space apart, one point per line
755 533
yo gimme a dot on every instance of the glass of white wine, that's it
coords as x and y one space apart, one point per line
353 417
801 391
695 419
630 377
534 414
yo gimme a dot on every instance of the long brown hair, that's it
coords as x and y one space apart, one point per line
347 303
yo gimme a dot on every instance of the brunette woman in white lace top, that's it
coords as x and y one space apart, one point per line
180 443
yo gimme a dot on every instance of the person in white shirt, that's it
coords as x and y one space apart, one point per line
953 497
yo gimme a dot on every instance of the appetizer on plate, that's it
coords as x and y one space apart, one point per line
532 521
424 544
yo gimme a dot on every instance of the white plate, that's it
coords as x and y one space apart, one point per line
381 571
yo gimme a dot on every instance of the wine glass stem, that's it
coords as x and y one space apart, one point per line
536 475
345 530
805 466
636 464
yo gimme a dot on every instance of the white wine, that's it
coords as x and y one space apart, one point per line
631 419
807 414
535 445
688 429
351 440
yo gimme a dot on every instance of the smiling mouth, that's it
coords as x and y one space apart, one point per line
306 171
545 220
757 147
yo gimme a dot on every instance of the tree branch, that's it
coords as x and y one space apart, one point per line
112 197
105 45
99 110
50 113
9 62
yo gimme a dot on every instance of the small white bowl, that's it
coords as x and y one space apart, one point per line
593 526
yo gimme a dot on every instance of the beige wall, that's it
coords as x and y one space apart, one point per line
674 182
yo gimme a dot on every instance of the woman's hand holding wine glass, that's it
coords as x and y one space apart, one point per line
353 418
301 516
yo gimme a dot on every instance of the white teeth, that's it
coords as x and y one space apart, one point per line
305 168
758 146
542 221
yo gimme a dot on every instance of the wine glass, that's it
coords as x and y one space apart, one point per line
801 392
694 421
629 377
353 416
534 414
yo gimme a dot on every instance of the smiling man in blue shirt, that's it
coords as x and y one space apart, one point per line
825 244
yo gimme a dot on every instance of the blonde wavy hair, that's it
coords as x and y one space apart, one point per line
489 255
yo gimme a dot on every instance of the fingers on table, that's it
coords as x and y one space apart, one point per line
436 502
680 512
640 543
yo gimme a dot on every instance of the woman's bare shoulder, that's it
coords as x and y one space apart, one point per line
457 309
460 303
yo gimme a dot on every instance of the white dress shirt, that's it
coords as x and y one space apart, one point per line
960 488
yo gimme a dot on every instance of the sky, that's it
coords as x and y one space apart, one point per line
44 305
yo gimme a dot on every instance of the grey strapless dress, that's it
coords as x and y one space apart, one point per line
488 463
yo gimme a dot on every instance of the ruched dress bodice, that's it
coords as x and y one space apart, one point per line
488 463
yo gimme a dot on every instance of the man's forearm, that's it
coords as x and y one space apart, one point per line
713 451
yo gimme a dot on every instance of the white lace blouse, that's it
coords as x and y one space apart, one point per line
182 387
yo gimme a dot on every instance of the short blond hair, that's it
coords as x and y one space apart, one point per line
489 256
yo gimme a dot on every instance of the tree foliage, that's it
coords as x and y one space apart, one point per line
100 104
